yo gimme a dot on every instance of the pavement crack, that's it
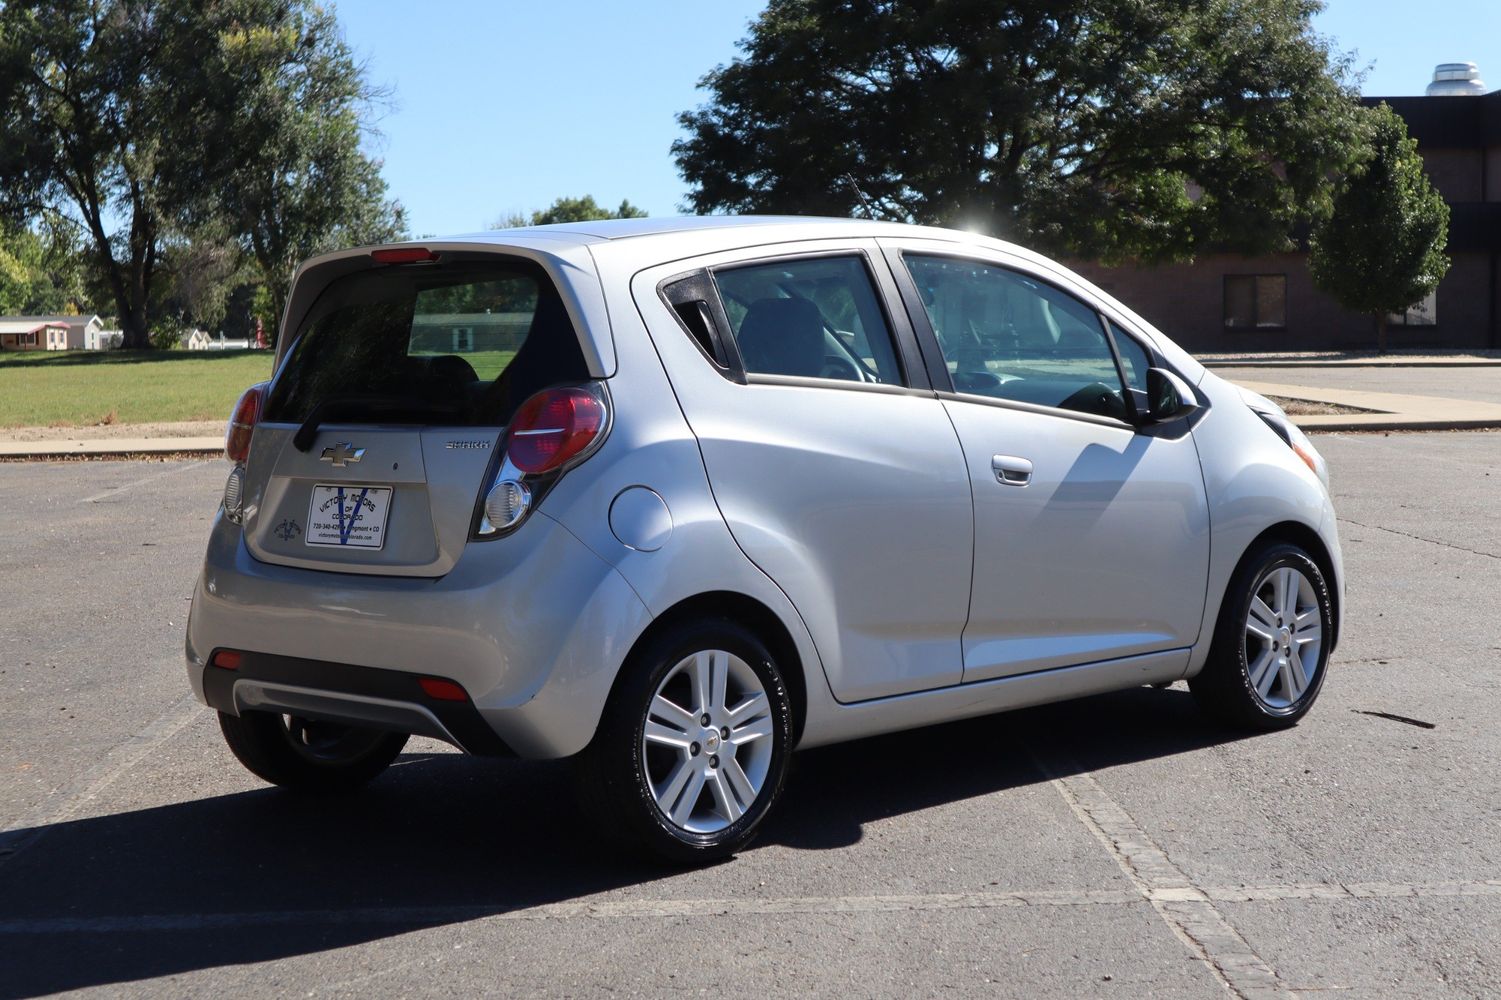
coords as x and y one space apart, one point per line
1420 538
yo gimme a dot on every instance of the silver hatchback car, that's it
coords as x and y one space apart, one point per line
675 497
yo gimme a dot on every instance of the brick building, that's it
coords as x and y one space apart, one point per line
1227 302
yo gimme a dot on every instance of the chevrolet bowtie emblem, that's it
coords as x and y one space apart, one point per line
342 454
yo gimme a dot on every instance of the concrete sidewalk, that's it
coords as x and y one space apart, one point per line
111 446
1388 411
1354 359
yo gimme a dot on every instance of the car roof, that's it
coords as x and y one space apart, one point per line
624 229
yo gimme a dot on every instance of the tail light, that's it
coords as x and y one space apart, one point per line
552 427
551 432
242 423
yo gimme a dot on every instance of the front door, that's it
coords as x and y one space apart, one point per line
1091 536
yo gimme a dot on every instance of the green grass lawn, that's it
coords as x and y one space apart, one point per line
79 388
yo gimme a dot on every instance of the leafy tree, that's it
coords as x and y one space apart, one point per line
285 89
1115 129
1382 247
198 276
584 209
135 116
42 272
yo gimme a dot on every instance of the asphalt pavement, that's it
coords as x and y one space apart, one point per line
1114 847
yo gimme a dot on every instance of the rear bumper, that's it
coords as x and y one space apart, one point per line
342 692
533 626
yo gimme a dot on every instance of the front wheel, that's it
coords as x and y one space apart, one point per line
694 744
1271 644
308 755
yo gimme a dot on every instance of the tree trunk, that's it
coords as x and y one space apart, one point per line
1381 333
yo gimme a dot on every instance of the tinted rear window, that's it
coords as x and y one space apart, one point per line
441 344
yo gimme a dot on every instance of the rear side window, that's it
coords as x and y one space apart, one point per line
812 317
460 344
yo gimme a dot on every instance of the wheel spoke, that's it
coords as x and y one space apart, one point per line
735 777
749 707
1259 670
719 675
758 728
1287 593
702 679
673 714
1308 621
668 796
1261 632
1297 677
1263 614
666 736
723 797
682 811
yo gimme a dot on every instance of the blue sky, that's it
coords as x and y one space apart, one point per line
502 105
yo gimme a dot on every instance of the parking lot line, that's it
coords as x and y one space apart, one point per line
634 909
1186 908
117 490
63 805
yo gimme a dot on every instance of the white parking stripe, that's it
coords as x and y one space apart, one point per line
62 805
1187 909
415 916
116 491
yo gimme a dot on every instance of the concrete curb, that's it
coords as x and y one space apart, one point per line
1386 411
1365 363
111 446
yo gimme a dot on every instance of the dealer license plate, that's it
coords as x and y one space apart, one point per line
351 516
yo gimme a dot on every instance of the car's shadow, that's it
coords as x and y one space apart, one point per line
262 875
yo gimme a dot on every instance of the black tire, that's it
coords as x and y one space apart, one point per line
309 756
1224 688
614 770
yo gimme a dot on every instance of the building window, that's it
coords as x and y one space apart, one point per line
1424 313
1255 301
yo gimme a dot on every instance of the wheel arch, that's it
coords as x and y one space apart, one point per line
750 613
1309 540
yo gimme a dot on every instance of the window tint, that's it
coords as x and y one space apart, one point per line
815 317
1134 357
453 344
1006 335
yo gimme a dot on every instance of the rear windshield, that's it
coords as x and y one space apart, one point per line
461 344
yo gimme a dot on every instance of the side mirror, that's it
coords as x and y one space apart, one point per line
1168 397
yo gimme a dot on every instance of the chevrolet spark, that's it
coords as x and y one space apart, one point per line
676 497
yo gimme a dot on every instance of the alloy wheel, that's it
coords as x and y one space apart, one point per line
707 744
1284 637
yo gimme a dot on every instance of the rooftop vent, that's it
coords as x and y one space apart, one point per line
1459 79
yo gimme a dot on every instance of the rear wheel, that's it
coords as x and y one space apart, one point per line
306 754
693 747
1271 645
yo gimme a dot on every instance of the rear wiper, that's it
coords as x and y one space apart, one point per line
385 406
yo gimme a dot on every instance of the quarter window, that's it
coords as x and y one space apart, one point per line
813 317
1134 357
1011 336
1255 301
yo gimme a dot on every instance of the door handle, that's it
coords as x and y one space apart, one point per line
1011 471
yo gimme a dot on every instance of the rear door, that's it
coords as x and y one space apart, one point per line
835 467
1091 535
382 421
